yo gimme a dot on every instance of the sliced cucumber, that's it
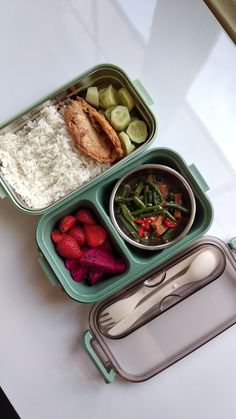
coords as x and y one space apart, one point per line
108 113
137 131
125 98
92 96
127 146
120 117
101 91
109 97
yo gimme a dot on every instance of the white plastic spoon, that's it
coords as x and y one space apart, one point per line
202 266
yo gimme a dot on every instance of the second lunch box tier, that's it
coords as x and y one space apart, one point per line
138 261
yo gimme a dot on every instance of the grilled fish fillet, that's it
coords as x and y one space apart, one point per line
91 132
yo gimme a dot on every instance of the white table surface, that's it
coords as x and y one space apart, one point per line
187 63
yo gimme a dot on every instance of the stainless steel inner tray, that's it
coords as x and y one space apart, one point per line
101 75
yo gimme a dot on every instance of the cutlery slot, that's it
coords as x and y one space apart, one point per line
168 333
166 287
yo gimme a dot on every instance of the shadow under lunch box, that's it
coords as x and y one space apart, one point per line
180 321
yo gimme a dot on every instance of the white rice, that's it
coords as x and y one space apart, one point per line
41 162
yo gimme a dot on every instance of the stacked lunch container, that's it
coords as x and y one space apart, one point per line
181 323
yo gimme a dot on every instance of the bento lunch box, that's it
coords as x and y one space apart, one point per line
153 343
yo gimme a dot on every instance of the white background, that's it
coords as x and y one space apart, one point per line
187 63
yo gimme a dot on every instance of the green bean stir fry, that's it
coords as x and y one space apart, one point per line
151 210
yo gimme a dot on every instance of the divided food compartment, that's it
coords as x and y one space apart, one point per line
137 260
101 75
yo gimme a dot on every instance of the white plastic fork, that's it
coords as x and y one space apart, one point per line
121 308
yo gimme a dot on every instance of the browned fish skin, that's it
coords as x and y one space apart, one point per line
91 132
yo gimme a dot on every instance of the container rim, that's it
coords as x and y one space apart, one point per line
187 188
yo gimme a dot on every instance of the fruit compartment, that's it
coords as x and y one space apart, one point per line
204 213
54 265
101 75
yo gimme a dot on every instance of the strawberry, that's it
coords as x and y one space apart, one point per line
78 233
85 216
95 234
68 247
56 236
66 223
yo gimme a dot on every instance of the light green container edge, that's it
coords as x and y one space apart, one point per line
144 97
108 375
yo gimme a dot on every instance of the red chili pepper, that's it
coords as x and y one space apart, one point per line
145 219
139 221
168 223
149 219
146 225
140 231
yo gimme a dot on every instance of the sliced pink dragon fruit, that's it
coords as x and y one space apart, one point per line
98 260
71 263
94 276
120 266
79 273
106 247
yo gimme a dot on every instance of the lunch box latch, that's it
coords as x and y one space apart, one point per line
232 246
3 193
106 372
48 271
199 178
143 92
